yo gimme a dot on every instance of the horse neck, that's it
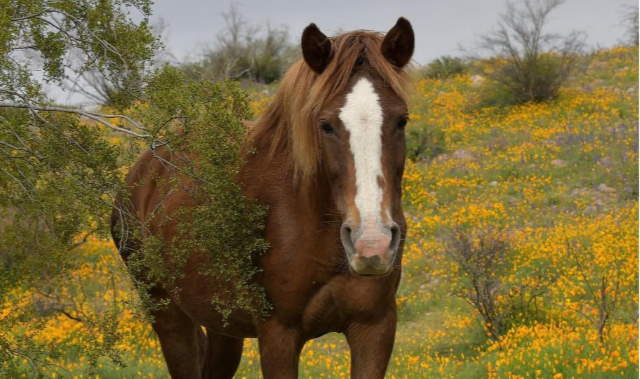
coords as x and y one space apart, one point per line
272 182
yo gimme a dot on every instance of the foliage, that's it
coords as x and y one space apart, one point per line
70 38
444 67
243 52
205 120
424 142
630 18
532 171
51 191
530 64
56 274
56 169
61 167
58 172
483 262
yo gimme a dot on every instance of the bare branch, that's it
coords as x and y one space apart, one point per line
98 117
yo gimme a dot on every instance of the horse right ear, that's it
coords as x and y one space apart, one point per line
316 48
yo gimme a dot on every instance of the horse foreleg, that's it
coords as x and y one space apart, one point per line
371 345
222 356
279 350
181 340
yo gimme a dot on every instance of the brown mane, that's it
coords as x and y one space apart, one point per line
287 126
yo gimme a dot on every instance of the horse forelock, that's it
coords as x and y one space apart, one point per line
288 125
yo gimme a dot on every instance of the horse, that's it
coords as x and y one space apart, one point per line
327 159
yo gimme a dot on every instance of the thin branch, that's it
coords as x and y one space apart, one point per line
98 117
69 315
27 17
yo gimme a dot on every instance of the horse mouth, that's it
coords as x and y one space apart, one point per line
368 267
372 275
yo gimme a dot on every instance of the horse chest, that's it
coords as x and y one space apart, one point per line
343 299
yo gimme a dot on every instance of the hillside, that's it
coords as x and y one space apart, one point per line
556 183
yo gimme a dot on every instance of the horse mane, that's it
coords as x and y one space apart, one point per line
287 126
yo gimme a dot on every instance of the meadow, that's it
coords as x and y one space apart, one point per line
557 182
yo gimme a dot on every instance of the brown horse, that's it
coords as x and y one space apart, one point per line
327 158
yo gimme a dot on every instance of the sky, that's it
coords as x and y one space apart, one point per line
441 26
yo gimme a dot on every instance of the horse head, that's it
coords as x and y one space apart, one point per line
361 139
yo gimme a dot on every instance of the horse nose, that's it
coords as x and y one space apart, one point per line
371 247
373 244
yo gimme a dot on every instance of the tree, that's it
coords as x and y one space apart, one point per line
118 93
630 19
58 172
61 169
241 53
66 39
531 64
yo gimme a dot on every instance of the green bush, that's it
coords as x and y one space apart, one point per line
444 67
244 51
532 64
533 79
207 123
424 142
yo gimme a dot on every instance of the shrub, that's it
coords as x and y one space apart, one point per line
243 52
532 64
483 269
444 67
205 120
630 19
424 142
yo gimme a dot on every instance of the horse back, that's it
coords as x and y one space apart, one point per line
148 197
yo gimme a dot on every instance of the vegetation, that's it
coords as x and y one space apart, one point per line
62 167
69 39
444 67
57 171
555 182
205 120
243 51
630 19
530 63
522 253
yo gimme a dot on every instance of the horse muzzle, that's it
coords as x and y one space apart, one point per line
371 247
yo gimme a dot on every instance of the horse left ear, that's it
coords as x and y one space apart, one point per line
398 44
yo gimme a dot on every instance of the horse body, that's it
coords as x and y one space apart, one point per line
331 266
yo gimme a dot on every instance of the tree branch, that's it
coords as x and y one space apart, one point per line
98 117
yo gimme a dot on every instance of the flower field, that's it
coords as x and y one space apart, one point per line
557 181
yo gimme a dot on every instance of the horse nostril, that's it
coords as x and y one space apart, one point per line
346 230
394 230
395 236
345 238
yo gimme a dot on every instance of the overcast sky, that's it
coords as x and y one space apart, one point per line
440 25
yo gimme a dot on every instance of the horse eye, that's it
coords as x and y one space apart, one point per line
402 122
326 127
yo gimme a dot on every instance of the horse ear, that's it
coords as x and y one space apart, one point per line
398 44
316 48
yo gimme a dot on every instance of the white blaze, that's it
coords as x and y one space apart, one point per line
362 117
